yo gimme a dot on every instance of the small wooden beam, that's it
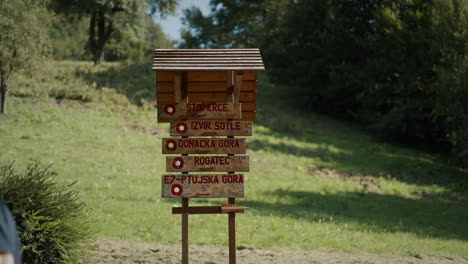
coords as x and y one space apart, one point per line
237 85
178 86
202 210
230 86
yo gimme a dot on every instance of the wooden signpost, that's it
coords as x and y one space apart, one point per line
206 92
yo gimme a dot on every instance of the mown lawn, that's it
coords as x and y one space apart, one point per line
314 182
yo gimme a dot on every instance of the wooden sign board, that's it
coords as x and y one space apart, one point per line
211 128
222 110
207 163
202 186
204 146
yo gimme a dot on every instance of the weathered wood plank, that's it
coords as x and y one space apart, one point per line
164 76
208 97
202 210
199 110
211 128
249 76
246 116
203 146
202 185
203 87
203 76
207 163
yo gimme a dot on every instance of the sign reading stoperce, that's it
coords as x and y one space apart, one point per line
221 110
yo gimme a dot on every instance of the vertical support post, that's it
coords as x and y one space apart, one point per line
233 93
178 86
180 93
237 85
232 233
185 231
230 87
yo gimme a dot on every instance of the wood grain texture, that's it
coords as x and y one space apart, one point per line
203 146
203 87
202 185
207 163
246 116
207 59
210 97
198 110
211 128
202 210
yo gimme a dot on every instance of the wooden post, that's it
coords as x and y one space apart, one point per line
178 86
237 84
185 227
232 233
180 93
233 91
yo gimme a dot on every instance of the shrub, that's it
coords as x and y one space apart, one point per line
52 223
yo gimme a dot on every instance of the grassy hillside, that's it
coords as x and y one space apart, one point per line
314 182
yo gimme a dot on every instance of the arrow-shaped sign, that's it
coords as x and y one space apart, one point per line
231 208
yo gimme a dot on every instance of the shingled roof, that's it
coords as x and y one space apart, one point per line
207 60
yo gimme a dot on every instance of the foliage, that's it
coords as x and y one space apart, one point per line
240 24
68 36
52 223
400 67
22 38
104 15
135 42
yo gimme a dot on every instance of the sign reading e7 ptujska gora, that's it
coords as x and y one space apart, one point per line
202 186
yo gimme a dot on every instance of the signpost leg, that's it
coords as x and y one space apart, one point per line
185 223
232 234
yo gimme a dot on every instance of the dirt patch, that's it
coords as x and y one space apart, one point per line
123 251
152 130
369 183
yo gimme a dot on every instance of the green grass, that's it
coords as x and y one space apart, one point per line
314 182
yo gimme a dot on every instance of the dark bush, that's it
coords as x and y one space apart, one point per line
52 222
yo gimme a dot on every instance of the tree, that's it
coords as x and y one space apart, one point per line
231 24
23 39
101 14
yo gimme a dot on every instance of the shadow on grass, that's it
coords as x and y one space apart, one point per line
347 147
135 80
381 213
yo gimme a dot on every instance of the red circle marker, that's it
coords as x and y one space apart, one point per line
169 109
176 189
171 145
181 128
177 163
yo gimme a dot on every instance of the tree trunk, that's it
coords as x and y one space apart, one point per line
98 34
3 91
